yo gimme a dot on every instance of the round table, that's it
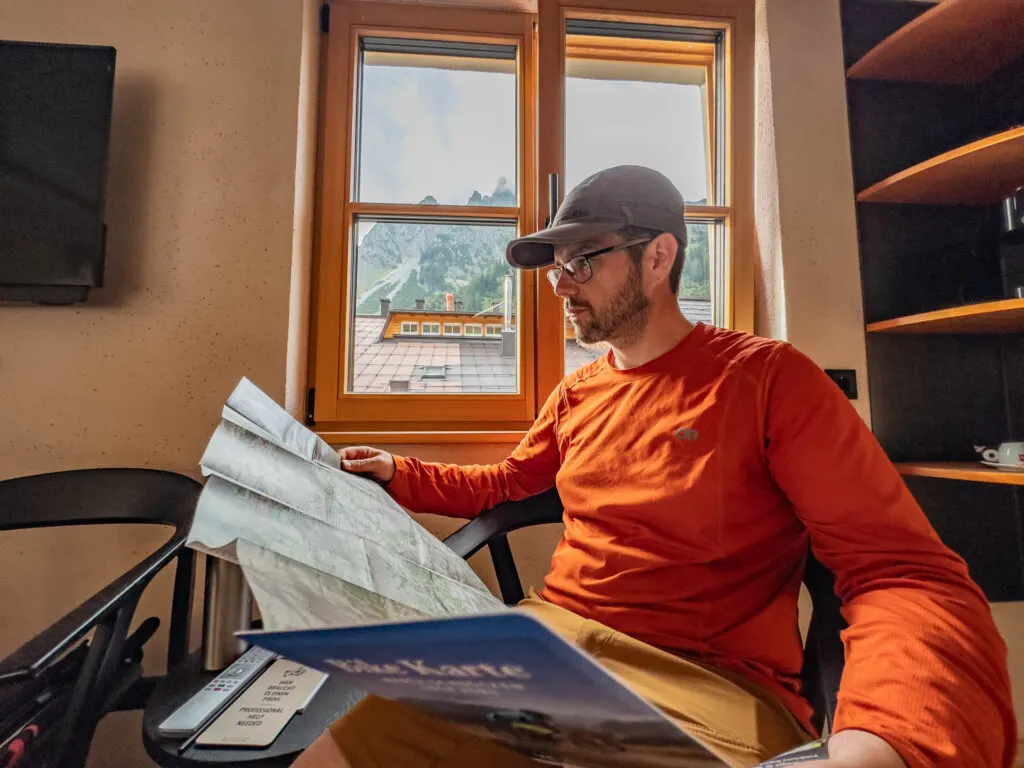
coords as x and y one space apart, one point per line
330 702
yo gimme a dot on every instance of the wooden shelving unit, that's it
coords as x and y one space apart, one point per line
958 42
962 470
1004 316
979 173
922 79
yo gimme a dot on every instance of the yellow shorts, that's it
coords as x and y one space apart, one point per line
742 724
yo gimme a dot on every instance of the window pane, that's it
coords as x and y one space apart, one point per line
436 129
414 278
651 114
698 296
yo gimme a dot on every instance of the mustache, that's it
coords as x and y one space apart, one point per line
577 305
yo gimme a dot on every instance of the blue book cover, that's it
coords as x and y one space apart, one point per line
503 676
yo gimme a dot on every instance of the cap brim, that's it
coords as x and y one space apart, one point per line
538 250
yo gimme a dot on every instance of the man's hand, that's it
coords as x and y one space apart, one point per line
370 462
858 749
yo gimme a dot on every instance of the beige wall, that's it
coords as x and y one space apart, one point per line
199 207
808 286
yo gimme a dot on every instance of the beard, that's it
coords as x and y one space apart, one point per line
622 322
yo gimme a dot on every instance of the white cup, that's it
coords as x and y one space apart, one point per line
1007 454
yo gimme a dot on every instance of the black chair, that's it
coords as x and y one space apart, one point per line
56 687
823 649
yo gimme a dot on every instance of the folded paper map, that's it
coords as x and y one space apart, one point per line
318 546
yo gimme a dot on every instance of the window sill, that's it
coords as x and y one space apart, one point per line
337 438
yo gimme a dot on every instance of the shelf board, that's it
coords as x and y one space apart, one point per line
980 173
962 470
958 42
1004 316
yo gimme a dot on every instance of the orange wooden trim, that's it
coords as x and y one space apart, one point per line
962 470
702 14
980 173
430 426
413 210
550 159
680 59
527 311
528 128
318 184
372 412
1004 316
416 20
958 42
741 264
652 51
622 47
710 136
340 438
345 341
712 212
333 173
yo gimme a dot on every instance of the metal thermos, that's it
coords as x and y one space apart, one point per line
228 609
1011 256
1013 216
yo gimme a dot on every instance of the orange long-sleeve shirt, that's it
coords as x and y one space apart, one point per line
691 485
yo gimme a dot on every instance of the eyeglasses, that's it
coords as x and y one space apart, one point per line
579 269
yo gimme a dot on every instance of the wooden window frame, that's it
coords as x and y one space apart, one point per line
466 331
542 45
446 332
336 411
425 332
403 330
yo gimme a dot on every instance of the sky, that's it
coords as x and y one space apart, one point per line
447 133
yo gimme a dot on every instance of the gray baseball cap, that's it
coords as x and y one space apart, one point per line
610 200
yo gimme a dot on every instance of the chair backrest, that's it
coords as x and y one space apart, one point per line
824 656
492 528
823 649
91 496
89 660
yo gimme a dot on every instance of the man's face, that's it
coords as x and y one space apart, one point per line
611 307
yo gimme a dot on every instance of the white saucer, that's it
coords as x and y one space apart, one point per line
997 465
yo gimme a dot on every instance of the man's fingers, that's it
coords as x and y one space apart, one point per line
359 465
359 452
371 462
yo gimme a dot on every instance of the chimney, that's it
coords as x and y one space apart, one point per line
419 303
508 302
449 301
385 307
508 336
458 306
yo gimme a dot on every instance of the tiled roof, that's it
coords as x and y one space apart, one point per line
467 366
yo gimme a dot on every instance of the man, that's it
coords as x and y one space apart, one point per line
695 465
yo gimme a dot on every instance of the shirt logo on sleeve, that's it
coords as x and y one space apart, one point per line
685 433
